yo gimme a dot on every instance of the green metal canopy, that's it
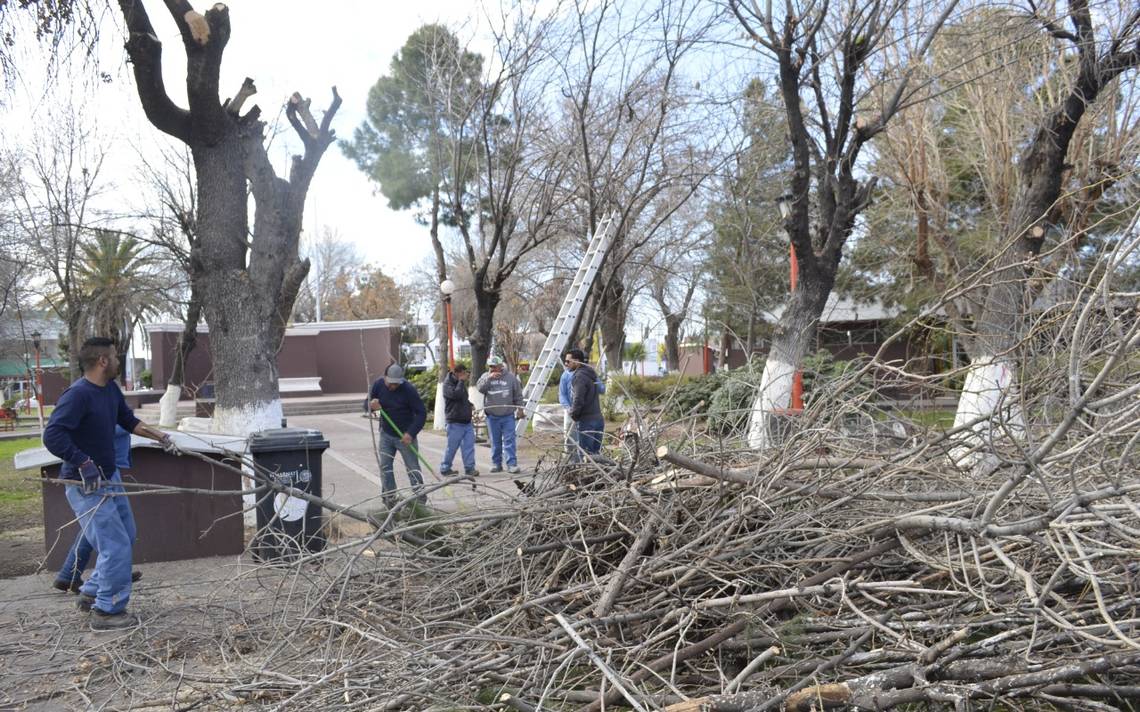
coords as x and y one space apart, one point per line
18 368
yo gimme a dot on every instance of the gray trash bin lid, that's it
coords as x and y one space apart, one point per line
280 439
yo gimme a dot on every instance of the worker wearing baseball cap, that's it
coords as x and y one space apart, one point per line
502 404
406 416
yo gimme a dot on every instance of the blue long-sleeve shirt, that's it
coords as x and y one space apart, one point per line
565 396
566 393
402 405
83 423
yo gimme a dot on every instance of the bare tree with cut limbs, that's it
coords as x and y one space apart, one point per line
828 62
249 278
1104 45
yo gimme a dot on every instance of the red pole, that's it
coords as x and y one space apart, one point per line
798 378
39 386
450 337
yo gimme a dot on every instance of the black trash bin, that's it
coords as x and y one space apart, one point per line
286 525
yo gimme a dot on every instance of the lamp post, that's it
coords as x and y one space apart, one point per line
24 389
39 383
784 203
448 287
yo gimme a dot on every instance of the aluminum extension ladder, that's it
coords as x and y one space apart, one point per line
567 316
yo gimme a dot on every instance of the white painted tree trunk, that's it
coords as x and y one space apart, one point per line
439 416
775 394
990 407
794 333
168 406
250 418
243 421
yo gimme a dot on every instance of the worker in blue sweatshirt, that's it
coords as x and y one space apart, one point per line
406 415
81 432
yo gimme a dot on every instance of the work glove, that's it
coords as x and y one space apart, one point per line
168 445
91 476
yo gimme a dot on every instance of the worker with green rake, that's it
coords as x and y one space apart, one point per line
402 417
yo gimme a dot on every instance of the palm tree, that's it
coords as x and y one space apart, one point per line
635 353
118 283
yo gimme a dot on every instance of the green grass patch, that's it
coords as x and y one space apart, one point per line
20 495
930 418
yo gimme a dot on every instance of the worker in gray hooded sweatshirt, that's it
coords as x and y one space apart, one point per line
502 404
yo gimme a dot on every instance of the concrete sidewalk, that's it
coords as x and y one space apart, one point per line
351 472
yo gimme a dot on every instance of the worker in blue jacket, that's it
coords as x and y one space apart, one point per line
81 432
406 416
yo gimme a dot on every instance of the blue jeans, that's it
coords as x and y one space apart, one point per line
590 435
389 445
106 521
79 555
76 562
461 438
501 428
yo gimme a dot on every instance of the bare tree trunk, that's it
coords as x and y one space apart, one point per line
441 274
439 421
612 322
673 342
486 301
74 341
752 328
244 327
795 334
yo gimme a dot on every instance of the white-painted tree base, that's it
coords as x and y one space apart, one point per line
244 421
168 406
439 419
251 418
775 394
989 407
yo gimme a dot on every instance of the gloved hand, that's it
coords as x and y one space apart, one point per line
168 445
91 476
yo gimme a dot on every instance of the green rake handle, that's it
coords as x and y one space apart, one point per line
413 447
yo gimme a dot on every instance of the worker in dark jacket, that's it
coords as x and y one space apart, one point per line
585 408
401 403
460 431
81 432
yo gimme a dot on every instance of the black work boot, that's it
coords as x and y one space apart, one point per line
66 586
101 621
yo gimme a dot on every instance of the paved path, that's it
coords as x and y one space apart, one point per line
351 473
